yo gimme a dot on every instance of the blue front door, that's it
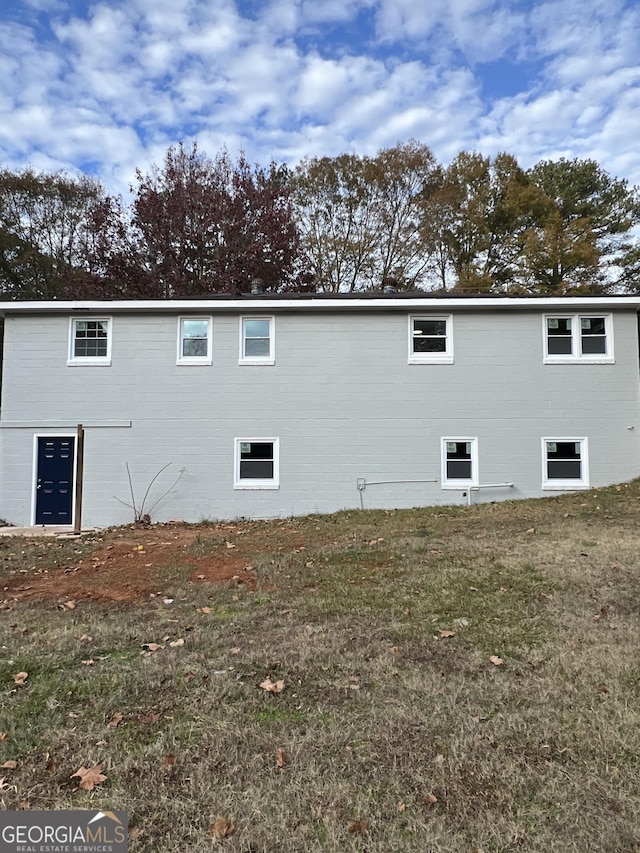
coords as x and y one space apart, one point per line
54 482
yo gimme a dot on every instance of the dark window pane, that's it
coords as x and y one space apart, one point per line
429 327
458 469
429 344
429 336
255 469
256 450
563 450
592 325
559 325
458 450
564 469
594 345
559 346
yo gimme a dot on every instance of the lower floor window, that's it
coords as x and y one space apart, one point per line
565 463
256 463
459 462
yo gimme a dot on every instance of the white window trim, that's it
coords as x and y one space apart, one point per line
273 483
97 361
445 357
555 485
261 359
445 482
195 359
576 341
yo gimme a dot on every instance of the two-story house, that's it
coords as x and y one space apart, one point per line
278 405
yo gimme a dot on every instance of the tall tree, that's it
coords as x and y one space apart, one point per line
359 217
199 226
477 221
586 239
45 232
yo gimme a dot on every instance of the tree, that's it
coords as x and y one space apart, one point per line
477 219
359 217
585 241
198 226
45 232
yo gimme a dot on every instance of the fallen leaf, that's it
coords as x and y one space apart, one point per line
222 828
9 765
230 545
153 647
135 832
20 678
281 758
115 720
176 643
204 609
3 737
149 717
402 807
89 777
447 633
24 805
531 530
235 650
270 687
89 662
360 825
85 638
167 761
430 798
495 660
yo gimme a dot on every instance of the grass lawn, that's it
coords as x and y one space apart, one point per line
440 679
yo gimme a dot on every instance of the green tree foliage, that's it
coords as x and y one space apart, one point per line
45 232
585 242
359 217
477 222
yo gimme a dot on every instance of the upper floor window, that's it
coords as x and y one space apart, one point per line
459 462
430 340
194 340
257 344
565 463
578 337
90 341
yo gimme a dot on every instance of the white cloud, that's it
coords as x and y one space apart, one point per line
115 86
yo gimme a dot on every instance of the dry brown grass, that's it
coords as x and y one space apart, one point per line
394 737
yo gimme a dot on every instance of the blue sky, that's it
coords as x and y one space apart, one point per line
106 87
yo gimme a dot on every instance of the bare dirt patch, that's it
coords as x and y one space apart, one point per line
131 564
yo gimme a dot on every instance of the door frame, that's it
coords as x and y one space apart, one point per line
34 480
